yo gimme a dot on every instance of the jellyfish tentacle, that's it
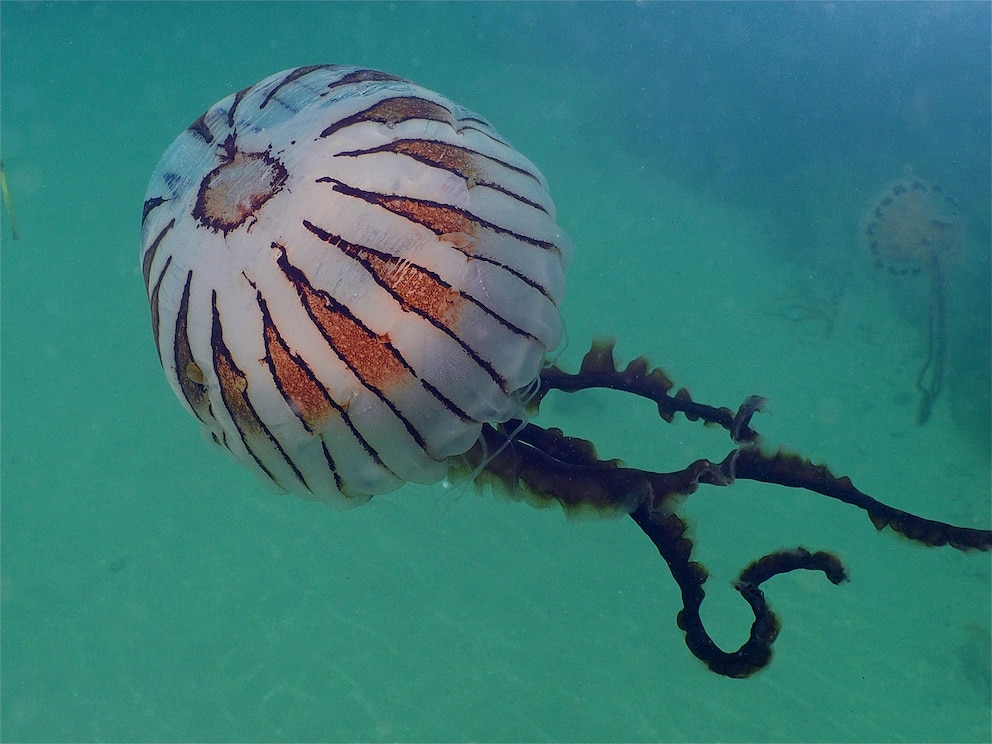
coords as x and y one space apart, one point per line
667 534
599 370
930 378
786 469
545 467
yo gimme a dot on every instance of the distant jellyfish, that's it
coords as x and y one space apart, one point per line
913 228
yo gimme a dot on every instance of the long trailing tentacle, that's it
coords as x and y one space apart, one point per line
668 536
546 466
930 378
599 370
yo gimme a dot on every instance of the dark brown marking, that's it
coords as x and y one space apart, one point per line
305 395
150 204
375 362
364 76
292 77
201 130
440 217
232 113
149 257
372 358
154 306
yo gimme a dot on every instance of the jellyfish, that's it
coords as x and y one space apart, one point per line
913 228
354 283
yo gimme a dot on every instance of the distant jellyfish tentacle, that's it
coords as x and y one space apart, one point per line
930 378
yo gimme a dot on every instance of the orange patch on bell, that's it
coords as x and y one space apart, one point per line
392 111
439 219
370 356
441 155
302 392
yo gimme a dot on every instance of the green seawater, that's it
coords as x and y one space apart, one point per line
712 163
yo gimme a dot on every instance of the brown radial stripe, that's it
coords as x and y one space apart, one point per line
191 379
153 305
457 160
200 128
150 204
148 259
233 384
364 76
232 112
439 218
293 76
413 286
392 111
420 291
304 393
373 359
443 219
306 397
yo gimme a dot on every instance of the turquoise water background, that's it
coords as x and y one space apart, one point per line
711 163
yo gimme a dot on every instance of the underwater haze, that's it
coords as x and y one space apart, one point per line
714 165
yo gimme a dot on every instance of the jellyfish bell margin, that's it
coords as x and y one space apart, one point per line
546 466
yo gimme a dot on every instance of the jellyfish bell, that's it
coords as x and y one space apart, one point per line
348 276
354 283
912 224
